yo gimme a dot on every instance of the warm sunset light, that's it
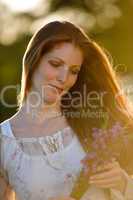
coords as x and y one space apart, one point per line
19 6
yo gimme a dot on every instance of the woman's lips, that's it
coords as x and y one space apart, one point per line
59 89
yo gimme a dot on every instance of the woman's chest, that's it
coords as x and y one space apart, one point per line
53 174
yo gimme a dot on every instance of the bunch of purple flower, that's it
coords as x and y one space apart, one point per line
105 145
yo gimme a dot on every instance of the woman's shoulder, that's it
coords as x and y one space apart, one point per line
5 128
8 125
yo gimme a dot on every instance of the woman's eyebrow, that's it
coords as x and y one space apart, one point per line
62 61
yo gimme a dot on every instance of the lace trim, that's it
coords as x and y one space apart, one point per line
42 145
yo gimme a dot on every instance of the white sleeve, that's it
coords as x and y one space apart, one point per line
3 172
128 194
95 193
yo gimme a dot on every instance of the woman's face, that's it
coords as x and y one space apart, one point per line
57 71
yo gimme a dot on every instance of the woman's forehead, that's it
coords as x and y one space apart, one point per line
66 51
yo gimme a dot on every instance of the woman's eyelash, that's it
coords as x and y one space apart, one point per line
75 72
54 63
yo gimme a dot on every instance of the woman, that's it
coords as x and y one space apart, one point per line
43 144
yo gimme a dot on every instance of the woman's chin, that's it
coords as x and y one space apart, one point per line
52 99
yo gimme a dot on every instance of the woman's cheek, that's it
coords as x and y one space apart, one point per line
49 73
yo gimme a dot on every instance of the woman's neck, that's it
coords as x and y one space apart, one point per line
39 113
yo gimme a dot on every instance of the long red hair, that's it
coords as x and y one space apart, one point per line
96 74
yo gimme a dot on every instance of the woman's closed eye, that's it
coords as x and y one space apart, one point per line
58 64
54 63
75 72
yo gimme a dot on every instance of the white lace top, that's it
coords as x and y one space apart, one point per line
42 167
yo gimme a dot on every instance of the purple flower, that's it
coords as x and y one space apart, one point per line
103 140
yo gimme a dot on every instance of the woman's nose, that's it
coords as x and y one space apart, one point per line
63 74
